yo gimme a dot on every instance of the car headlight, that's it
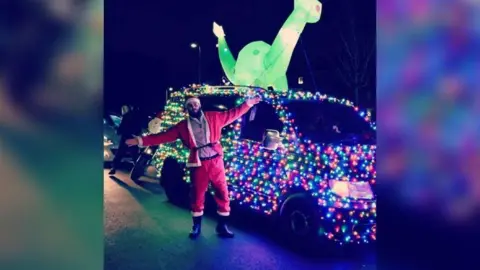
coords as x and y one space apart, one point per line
355 190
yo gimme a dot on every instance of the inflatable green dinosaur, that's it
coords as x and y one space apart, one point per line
261 65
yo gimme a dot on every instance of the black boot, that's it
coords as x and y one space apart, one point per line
196 228
222 228
112 171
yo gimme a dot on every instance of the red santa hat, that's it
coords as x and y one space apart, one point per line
191 100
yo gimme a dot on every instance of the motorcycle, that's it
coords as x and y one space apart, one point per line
145 158
142 163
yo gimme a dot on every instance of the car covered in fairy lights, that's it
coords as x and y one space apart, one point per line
305 158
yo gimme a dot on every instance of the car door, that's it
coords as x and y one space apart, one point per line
351 140
253 170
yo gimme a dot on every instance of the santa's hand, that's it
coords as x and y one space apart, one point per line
132 142
253 101
218 30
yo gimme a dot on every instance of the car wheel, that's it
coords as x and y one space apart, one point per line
139 168
300 220
172 182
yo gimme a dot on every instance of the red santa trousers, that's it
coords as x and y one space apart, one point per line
211 171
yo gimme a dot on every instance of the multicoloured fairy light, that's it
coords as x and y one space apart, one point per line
260 179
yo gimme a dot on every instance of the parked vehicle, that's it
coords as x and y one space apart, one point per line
110 137
111 140
305 158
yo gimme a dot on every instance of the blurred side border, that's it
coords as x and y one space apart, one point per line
428 148
51 88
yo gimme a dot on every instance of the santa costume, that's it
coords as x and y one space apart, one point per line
203 140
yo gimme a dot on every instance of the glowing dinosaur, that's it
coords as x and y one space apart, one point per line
258 63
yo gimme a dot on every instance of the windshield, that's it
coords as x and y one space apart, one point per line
117 120
330 122
217 103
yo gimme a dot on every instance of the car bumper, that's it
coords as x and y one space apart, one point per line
349 226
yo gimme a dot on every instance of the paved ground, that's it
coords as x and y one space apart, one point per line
144 231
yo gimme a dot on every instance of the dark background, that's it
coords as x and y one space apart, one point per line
147 45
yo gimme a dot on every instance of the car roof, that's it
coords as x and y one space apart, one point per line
290 95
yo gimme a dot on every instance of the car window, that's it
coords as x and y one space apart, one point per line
260 118
117 120
111 120
218 103
329 122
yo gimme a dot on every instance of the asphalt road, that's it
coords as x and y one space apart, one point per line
144 231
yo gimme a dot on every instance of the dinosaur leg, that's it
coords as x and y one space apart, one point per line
226 59
281 84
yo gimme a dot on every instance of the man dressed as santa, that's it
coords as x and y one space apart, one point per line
201 133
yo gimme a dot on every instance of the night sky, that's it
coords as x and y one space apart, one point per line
147 44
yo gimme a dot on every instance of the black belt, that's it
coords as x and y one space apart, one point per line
209 158
205 145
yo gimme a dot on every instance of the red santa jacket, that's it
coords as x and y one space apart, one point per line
183 131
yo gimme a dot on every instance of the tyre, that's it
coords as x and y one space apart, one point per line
172 182
139 168
300 220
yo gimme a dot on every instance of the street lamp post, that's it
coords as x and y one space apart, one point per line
195 46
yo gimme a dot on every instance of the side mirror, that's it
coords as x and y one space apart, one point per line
271 139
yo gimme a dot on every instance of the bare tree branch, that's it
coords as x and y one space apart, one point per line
364 83
347 68
346 46
367 58
354 60
344 78
356 57
345 72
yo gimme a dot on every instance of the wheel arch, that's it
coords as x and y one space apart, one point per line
170 161
294 193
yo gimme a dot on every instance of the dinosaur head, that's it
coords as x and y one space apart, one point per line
311 8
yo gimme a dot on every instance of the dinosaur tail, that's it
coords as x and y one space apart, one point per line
226 59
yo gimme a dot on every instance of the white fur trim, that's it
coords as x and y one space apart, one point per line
207 129
223 214
190 100
140 141
190 131
197 214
